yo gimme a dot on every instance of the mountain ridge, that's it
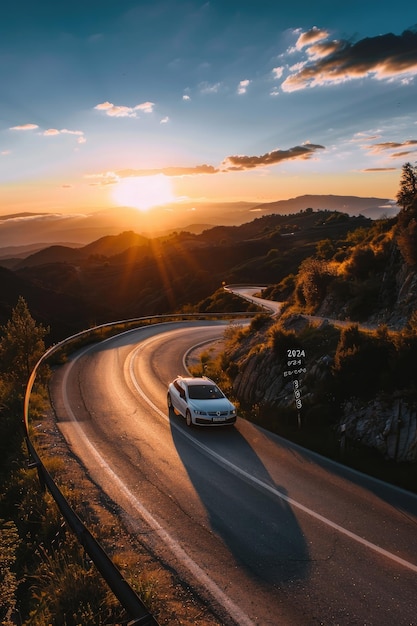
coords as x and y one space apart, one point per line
128 275
26 229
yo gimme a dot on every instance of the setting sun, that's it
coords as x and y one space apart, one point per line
143 192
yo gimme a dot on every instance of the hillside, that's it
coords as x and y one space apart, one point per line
357 380
129 276
374 208
320 263
109 245
25 229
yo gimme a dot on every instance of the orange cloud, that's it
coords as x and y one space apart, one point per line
306 151
380 169
392 145
110 178
384 56
229 164
170 171
311 36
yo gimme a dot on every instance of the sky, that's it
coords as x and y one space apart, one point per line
136 103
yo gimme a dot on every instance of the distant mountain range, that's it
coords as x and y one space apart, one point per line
24 233
129 275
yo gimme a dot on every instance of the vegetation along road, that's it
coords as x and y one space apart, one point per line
268 532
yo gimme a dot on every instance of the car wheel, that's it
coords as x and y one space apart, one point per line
188 419
170 405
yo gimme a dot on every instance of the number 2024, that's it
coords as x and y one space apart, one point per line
295 353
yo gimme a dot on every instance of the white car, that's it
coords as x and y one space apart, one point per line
200 401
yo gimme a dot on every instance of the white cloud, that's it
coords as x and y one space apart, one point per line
116 110
146 107
53 132
243 86
25 127
383 57
207 88
277 72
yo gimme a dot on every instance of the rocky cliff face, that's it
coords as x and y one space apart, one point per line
388 425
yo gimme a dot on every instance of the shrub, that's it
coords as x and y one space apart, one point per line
9 544
259 321
283 340
363 363
361 263
314 278
364 298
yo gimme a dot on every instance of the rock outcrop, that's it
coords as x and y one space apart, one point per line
389 426
384 423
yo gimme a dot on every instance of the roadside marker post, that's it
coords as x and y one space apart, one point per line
296 367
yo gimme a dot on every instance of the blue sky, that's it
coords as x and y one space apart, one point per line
220 100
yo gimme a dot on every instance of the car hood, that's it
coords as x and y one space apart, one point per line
214 405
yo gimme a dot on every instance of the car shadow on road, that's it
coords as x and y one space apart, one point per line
258 527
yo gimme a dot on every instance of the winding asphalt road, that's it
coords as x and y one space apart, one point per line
268 532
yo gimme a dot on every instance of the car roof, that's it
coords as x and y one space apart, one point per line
198 380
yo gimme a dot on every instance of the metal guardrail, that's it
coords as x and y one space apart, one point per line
127 597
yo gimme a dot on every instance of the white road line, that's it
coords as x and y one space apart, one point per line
233 610
252 479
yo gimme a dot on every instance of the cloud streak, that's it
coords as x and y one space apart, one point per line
110 178
239 163
331 62
117 110
380 169
25 127
230 164
392 145
53 132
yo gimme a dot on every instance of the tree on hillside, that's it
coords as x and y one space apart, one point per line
408 186
21 346
407 218
407 242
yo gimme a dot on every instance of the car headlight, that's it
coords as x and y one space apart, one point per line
233 411
198 412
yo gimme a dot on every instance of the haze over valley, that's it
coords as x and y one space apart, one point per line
24 232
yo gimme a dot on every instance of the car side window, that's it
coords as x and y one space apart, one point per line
179 389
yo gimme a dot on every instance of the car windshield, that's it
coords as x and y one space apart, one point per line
204 392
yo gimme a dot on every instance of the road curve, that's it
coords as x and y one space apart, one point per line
268 532
248 293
